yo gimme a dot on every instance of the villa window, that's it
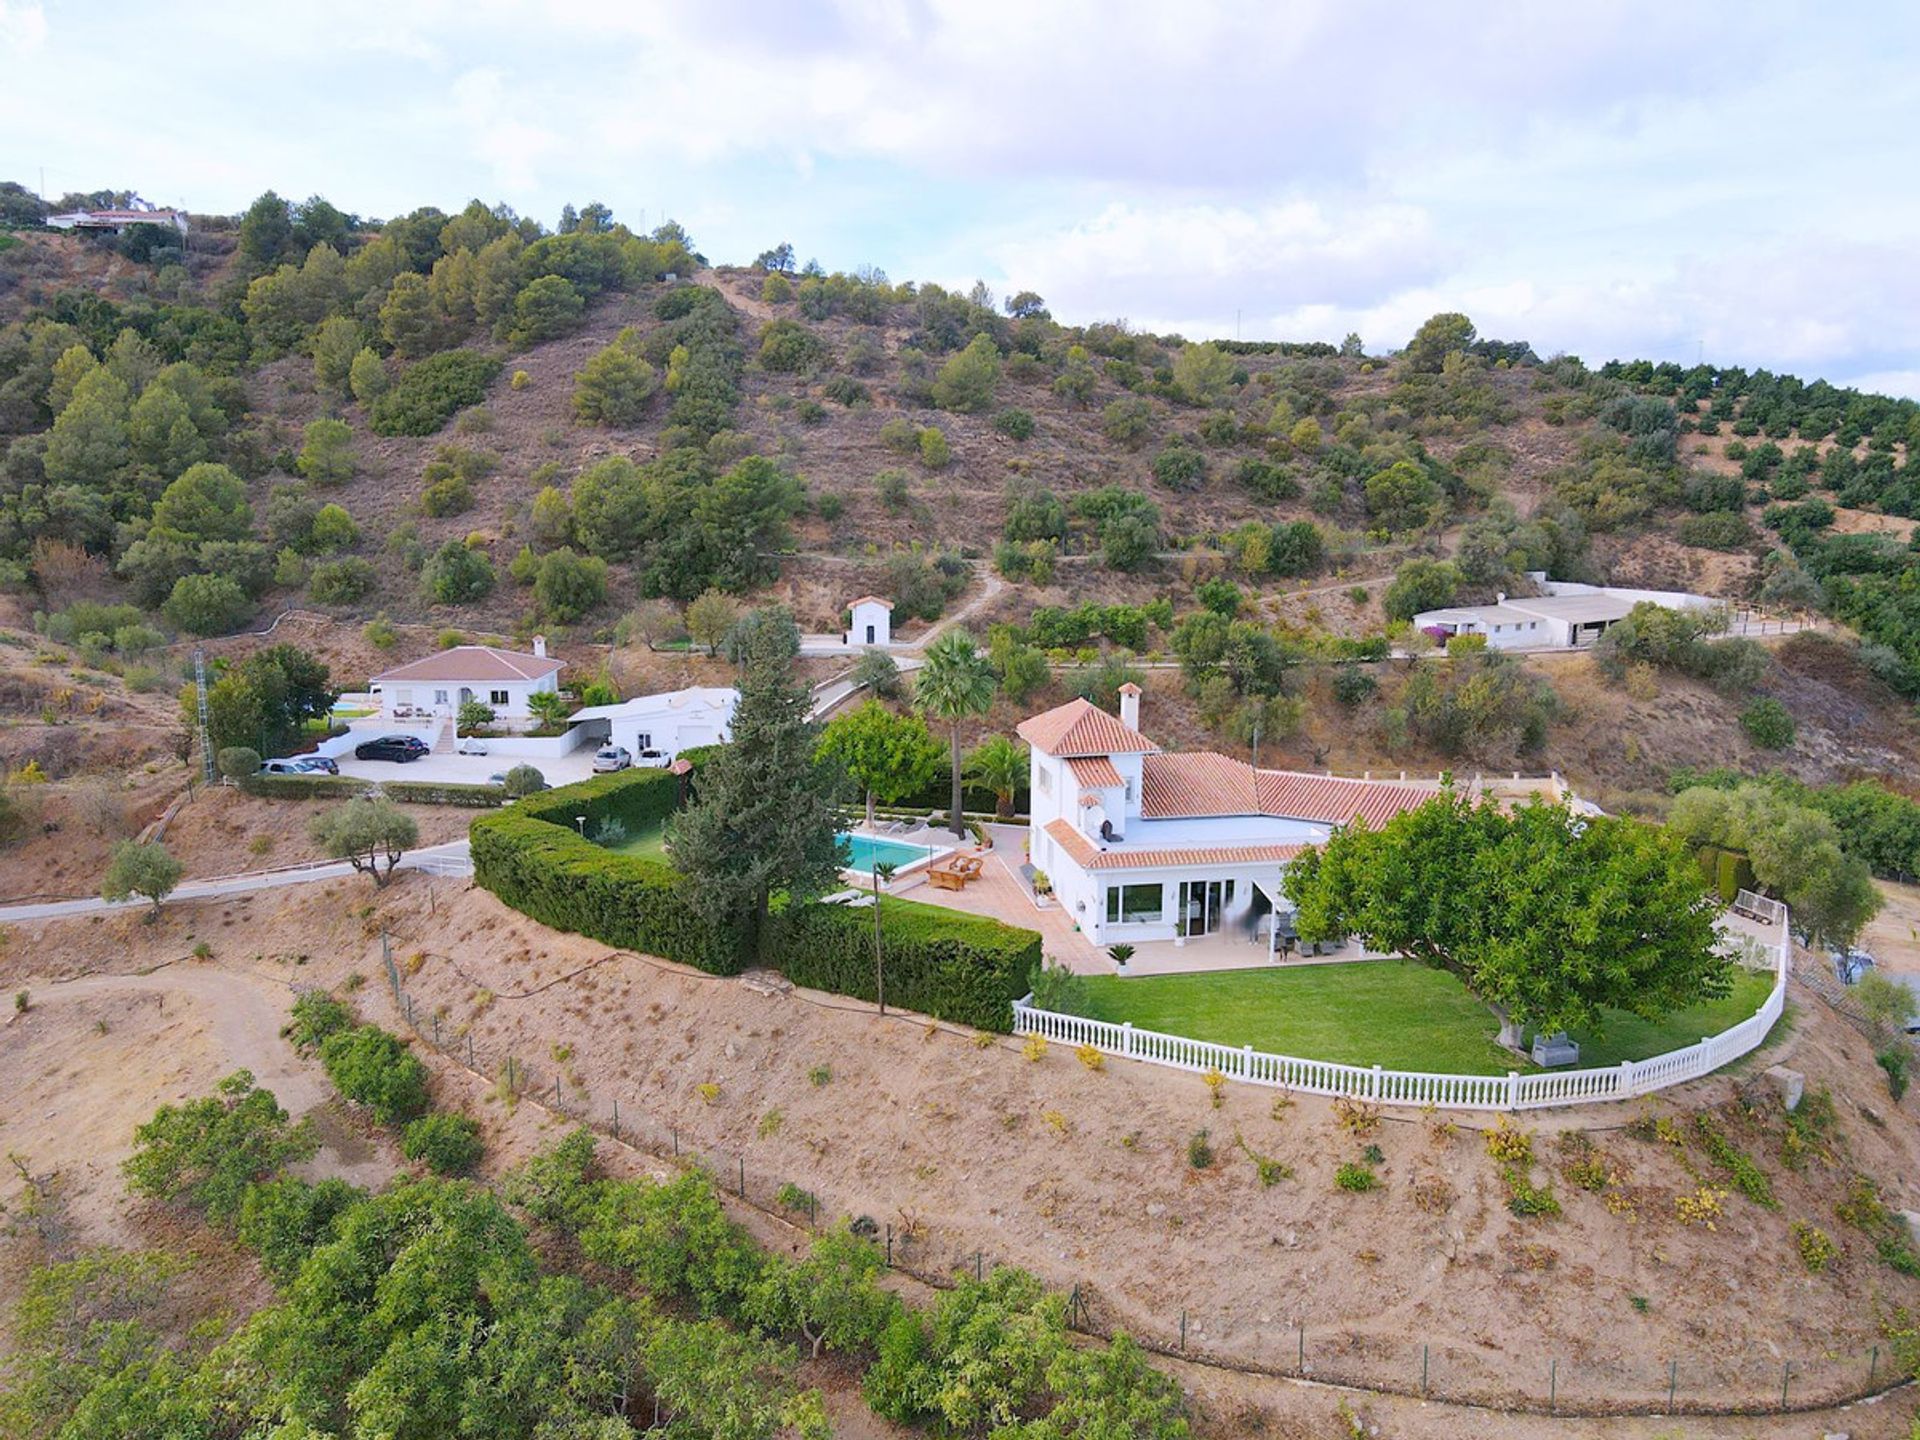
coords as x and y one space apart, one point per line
1046 780
1133 904
642 740
496 697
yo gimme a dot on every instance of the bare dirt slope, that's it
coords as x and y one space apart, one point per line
1085 1178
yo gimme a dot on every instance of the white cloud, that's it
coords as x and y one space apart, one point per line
23 27
1186 266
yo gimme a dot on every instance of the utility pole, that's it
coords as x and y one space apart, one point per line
200 702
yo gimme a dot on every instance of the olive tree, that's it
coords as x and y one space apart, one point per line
369 834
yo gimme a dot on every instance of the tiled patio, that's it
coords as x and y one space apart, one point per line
1001 894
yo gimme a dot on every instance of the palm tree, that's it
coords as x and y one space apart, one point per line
882 875
998 764
955 682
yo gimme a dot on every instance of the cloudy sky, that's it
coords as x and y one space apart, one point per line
1613 179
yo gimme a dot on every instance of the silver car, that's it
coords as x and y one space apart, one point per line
609 758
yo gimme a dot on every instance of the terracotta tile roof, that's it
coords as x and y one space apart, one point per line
1337 801
1191 786
1081 728
1084 853
1093 772
871 600
472 662
1200 783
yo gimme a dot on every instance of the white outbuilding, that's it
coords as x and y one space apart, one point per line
669 723
870 621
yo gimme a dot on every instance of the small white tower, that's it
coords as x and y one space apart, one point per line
870 621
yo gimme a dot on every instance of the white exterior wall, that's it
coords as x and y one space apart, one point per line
665 725
447 696
870 624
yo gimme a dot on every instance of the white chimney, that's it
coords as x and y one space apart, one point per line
1499 597
540 646
1130 705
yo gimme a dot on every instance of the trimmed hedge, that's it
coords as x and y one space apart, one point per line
544 869
1727 872
638 799
941 962
346 787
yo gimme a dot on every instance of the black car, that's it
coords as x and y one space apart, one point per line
397 748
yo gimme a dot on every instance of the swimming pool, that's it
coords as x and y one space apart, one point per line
864 851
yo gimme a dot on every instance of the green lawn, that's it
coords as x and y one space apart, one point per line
651 844
1395 1013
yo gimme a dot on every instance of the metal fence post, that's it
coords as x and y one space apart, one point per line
979 1267
1786 1379
1553 1386
616 1117
1673 1380
1303 1348
1423 1372
743 1177
676 1142
889 1244
1183 1330
470 1064
1873 1366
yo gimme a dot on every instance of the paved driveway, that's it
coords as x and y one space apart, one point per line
468 769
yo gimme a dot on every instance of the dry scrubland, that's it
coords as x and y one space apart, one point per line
1083 1177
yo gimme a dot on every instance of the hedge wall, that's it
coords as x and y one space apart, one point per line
546 870
940 962
959 967
1727 872
638 799
346 787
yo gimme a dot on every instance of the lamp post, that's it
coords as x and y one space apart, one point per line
581 821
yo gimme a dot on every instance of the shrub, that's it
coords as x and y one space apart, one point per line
1200 1150
523 780
1509 1144
449 1144
456 574
1015 423
934 451
1894 1063
209 1152
1768 724
1748 1178
1816 1247
1526 1199
1179 467
1056 988
316 1015
236 762
1356 1177
206 604
373 1068
429 392
340 582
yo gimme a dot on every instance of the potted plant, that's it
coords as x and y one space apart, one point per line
1180 932
1121 954
1042 887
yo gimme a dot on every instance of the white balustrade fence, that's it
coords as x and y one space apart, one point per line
1512 1091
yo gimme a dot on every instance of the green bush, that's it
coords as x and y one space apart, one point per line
1768 724
316 1016
428 393
450 1144
373 1068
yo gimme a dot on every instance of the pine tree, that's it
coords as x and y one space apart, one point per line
764 822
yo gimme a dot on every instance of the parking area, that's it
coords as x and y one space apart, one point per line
468 769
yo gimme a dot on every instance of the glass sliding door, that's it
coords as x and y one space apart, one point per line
1203 903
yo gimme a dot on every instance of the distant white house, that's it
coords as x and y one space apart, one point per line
439 684
114 221
1568 616
870 621
676 721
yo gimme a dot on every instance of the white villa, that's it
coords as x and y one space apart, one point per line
1569 615
1136 841
439 684
671 722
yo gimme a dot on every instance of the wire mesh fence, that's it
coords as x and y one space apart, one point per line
1439 1367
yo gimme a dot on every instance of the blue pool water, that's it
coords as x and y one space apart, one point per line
865 850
